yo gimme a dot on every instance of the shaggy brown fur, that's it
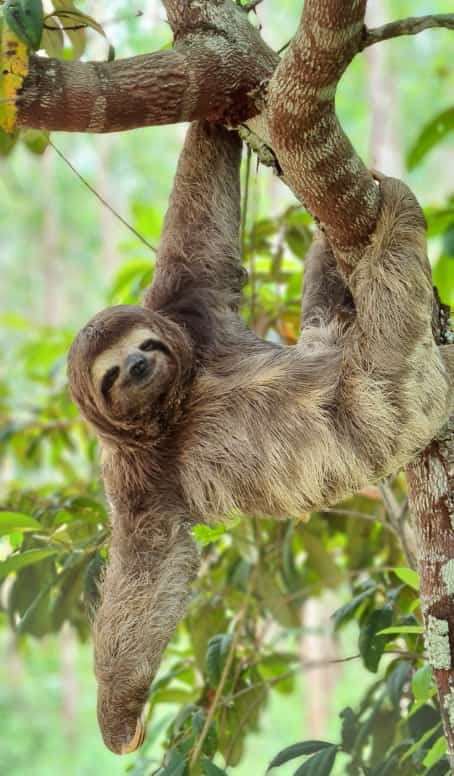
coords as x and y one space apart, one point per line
225 421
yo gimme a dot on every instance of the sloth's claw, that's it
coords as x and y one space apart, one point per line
138 737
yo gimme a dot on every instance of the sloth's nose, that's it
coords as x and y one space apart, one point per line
136 365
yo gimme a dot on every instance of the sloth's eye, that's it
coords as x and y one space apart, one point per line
154 344
149 344
109 379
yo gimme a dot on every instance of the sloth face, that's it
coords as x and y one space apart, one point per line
129 366
134 372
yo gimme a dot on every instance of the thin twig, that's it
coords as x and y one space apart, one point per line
411 26
391 504
360 515
228 664
396 513
309 665
245 204
114 20
102 200
285 46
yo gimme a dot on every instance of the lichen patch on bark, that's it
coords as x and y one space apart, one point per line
437 638
447 572
449 706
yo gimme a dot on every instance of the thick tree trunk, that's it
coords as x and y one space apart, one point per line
431 494
431 490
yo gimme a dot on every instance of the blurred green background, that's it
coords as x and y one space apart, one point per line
63 256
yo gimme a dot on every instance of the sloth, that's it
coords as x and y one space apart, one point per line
198 417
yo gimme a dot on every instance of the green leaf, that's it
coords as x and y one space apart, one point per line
232 732
410 577
73 17
420 742
176 766
174 695
320 764
204 622
441 768
271 595
16 562
298 750
398 676
77 37
436 752
16 521
131 278
275 666
177 769
70 587
431 134
443 276
448 241
53 40
387 768
217 649
25 18
350 728
422 683
319 558
210 769
7 142
36 619
36 140
206 534
438 219
371 640
347 611
298 240
397 629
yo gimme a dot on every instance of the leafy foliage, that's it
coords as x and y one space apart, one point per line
61 34
257 573
431 134
246 612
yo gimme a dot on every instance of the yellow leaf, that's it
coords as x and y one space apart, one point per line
13 71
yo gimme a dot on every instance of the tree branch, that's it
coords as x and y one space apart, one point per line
411 26
316 156
396 514
431 494
214 71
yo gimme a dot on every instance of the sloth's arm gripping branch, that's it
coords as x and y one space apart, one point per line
199 248
145 590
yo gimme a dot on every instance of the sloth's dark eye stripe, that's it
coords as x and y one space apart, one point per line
109 379
154 344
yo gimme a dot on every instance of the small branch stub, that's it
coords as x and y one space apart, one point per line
411 26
